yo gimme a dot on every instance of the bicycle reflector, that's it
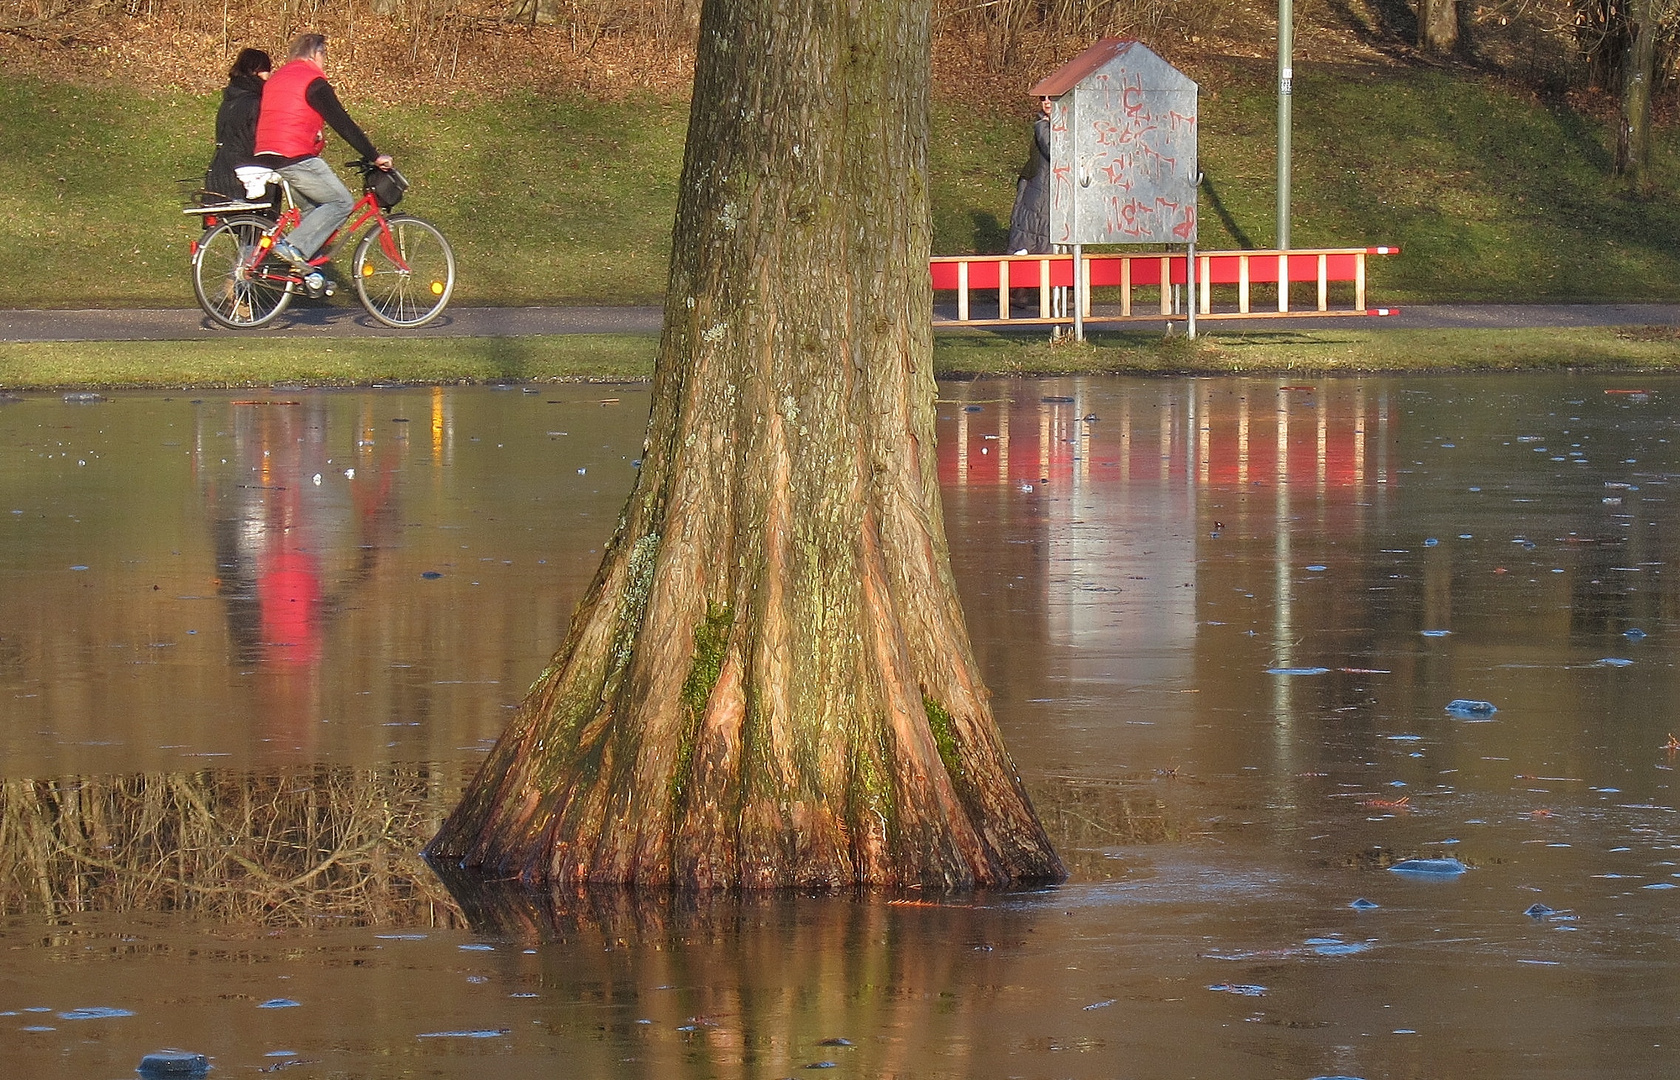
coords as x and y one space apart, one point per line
367 269
437 288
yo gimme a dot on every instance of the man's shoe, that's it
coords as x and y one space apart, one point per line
291 255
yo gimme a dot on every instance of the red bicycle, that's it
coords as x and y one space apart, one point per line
404 269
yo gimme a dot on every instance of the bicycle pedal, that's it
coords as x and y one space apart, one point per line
317 285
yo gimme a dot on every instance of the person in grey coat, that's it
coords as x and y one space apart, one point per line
1029 221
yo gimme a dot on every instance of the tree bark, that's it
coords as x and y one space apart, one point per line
1439 26
1639 69
769 682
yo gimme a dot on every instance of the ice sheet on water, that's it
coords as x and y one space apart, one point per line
476 1033
94 1012
1429 868
1297 671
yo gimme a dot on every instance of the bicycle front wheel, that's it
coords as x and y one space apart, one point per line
229 285
404 272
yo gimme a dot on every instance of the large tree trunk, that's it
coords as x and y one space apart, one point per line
769 682
1639 69
1438 26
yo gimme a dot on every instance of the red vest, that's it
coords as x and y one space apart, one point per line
288 125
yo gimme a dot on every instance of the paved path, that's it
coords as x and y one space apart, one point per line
305 321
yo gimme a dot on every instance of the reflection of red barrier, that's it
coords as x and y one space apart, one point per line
1234 273
1329 437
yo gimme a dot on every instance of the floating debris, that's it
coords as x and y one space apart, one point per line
1634 634
1539 911
1469 709
1362 904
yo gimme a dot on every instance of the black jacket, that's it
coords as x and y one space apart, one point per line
236 135
1029 222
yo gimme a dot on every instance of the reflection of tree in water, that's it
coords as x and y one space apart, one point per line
282 848
765 983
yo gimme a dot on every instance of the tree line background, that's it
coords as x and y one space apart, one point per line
1612 58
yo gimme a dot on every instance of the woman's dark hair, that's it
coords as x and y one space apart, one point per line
307 45
252 62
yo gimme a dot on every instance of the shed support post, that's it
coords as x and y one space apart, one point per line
1190 291
1078 293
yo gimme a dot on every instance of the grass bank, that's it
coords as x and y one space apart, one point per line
1493 193
366 361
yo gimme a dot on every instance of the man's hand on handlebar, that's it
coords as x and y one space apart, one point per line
383 161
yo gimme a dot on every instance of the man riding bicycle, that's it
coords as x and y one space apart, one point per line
297 103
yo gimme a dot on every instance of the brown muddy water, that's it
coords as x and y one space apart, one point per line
250 645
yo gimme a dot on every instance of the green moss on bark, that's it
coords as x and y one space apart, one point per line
711 643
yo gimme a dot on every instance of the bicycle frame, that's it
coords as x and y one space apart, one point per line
366 209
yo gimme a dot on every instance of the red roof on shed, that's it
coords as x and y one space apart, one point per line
1067 76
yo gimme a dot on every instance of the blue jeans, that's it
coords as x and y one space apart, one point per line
314 182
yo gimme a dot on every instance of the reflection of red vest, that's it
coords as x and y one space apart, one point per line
288 125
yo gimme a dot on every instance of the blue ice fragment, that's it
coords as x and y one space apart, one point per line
173 1063
1430 542
1317 568
430 575
1405 738
479 1033
281 1003
1240 989
1466 536
476 947
1437 633
822 1065
1362 904
96 1012
1539 911
1336 947
1297 671
1433 868
281 1053
1615 661
1338 1076
1100 1004
1660 885
1634 634
1468 709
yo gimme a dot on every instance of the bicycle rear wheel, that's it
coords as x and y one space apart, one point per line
228 285
404 278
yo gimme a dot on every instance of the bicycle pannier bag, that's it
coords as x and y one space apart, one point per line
387 186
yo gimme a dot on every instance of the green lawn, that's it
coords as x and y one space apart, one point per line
1492 194
1346 348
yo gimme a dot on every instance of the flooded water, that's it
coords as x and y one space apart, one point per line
251 644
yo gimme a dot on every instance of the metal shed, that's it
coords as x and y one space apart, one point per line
1122 148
